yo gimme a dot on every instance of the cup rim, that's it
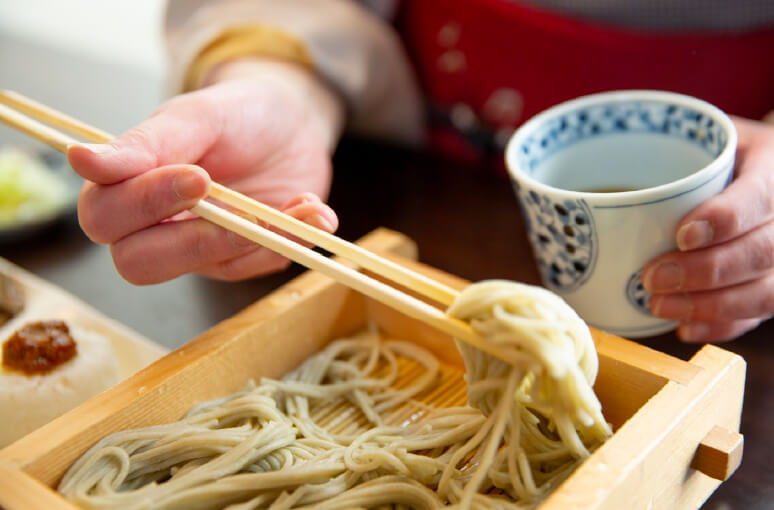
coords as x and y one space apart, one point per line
701 175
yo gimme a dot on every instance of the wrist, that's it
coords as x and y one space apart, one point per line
324 106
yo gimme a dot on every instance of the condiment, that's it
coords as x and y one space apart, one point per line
39 347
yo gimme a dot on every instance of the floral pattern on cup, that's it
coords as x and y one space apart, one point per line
625 117
636 293
563 238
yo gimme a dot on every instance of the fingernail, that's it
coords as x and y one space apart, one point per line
696 234
97 148
694 332
189 185
665 277
321 222
675 306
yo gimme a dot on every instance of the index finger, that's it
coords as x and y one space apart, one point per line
182 131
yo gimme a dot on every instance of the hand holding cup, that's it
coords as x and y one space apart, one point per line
604 182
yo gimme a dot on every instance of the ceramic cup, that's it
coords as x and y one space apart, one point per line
603 181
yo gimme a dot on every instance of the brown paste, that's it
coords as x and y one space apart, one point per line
39 347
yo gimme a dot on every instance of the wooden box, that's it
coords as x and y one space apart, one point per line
676 423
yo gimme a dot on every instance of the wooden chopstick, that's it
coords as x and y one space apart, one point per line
53 117
362 283
45 134
417 282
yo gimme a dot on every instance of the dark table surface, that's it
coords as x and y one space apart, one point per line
465 221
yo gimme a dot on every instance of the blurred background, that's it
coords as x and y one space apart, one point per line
99 60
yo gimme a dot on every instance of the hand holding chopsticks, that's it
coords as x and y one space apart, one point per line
13 108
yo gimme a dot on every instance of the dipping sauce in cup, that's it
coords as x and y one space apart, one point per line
603 181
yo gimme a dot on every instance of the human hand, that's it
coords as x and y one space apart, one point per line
720 283
264 128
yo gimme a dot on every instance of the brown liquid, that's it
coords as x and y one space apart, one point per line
610 190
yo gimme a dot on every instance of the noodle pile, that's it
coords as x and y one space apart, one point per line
296 442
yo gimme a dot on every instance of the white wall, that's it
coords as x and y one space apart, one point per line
98 60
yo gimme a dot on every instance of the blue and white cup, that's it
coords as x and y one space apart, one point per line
603 181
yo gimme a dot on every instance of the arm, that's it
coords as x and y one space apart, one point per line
263 128
263 117
349 48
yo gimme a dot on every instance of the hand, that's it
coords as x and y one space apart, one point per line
721 282
264 128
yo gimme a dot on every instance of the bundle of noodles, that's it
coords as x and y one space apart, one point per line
288 444
543 410
347 429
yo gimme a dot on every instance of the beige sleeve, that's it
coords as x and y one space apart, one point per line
354 51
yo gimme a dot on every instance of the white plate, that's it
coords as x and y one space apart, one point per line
44 301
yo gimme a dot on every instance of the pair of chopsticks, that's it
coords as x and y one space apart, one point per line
19 113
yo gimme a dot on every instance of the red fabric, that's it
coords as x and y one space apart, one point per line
550 58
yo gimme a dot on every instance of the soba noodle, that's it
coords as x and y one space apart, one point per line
299 442
552 411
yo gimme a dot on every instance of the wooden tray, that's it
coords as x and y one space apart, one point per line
676 423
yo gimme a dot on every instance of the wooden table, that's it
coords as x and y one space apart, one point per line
466 221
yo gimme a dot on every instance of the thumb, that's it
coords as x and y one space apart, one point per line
747 203
182 131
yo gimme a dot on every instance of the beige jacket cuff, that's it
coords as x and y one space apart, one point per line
356 53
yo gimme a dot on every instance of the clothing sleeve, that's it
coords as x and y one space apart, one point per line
358 54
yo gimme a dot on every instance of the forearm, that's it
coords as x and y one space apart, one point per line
351 50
